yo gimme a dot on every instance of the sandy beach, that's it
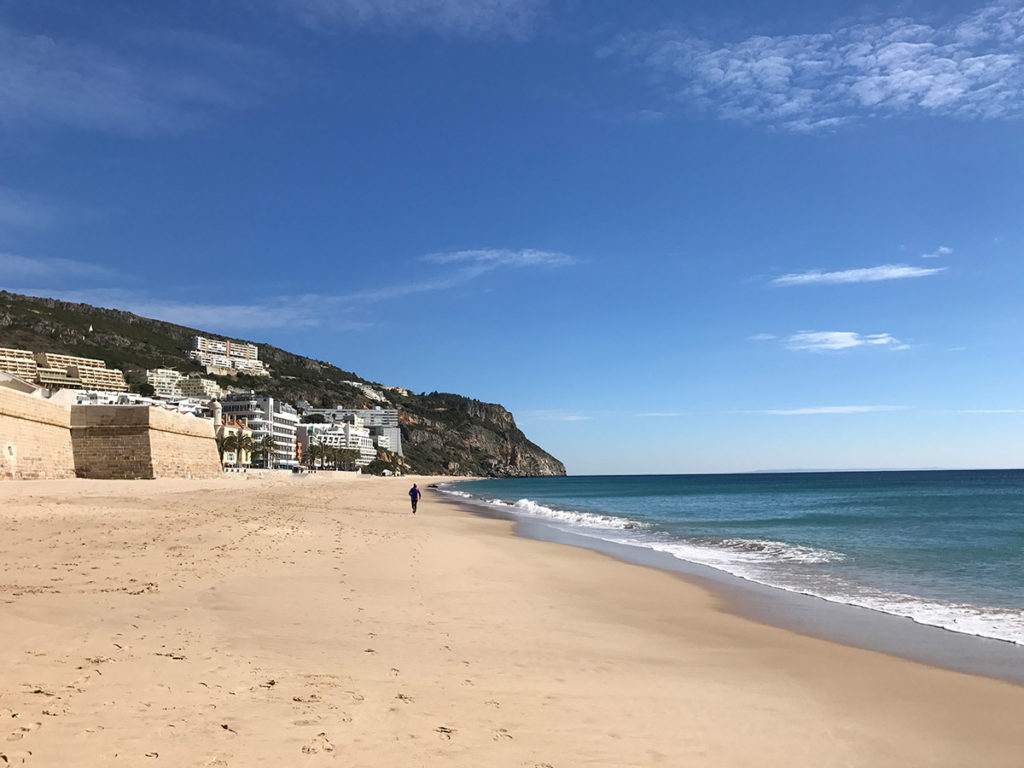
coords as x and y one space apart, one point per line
314 620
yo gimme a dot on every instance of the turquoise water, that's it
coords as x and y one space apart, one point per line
942 548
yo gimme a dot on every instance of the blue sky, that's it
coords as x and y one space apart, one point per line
670 237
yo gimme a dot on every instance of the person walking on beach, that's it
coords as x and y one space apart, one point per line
414 496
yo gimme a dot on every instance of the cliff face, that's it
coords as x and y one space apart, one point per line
449 434
441 433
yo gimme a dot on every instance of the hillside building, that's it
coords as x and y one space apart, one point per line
54 371
165 381
171 384
88 372
204 389
266 416
227 356
19 362
349 435
382 423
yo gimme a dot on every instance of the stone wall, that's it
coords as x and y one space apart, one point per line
127 442
35 438
182 446
111 442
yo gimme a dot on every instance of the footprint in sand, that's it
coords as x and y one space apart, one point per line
14 758
320 744
501 734
19 733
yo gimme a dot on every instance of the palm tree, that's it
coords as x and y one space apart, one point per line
266 447
241 444
315 453
223 444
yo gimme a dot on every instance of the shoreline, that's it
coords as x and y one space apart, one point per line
315 621
812 616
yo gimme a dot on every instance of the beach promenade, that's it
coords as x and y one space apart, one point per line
306 621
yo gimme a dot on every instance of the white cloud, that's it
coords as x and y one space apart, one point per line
554 415
971 67
498 257
659 415
865 275
14 267
47 80
448 17
275 312
820 341
762 337
825 410
298 311
942 250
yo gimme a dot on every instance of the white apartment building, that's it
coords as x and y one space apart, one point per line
382 423
166 382
351 436
266 416
170 384
201 388
19 362
226 355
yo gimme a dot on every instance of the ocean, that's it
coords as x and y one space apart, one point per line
944 548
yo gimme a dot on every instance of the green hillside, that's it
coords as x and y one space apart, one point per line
441 433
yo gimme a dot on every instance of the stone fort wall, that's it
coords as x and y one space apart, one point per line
44 440
35 438
135 441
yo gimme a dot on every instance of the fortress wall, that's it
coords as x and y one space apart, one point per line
35 441
182 446
126 442
111 442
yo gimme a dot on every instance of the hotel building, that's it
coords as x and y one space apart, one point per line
351 435
266 416
382 423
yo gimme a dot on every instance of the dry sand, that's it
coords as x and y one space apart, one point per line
307 621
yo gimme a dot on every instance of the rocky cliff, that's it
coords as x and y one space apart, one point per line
441 433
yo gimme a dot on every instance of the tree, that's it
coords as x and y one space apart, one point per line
241 444
314 418
348 457
315 452
265 447
223 444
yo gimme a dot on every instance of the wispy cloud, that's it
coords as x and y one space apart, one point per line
942 250
659 415
554 415
826 410
762 337
275 312
995 411
821 341
465 18
498 257
865 275
971 67
296 311
56 81
15 267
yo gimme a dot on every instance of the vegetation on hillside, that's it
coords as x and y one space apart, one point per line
442 433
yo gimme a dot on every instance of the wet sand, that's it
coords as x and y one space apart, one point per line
314 620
